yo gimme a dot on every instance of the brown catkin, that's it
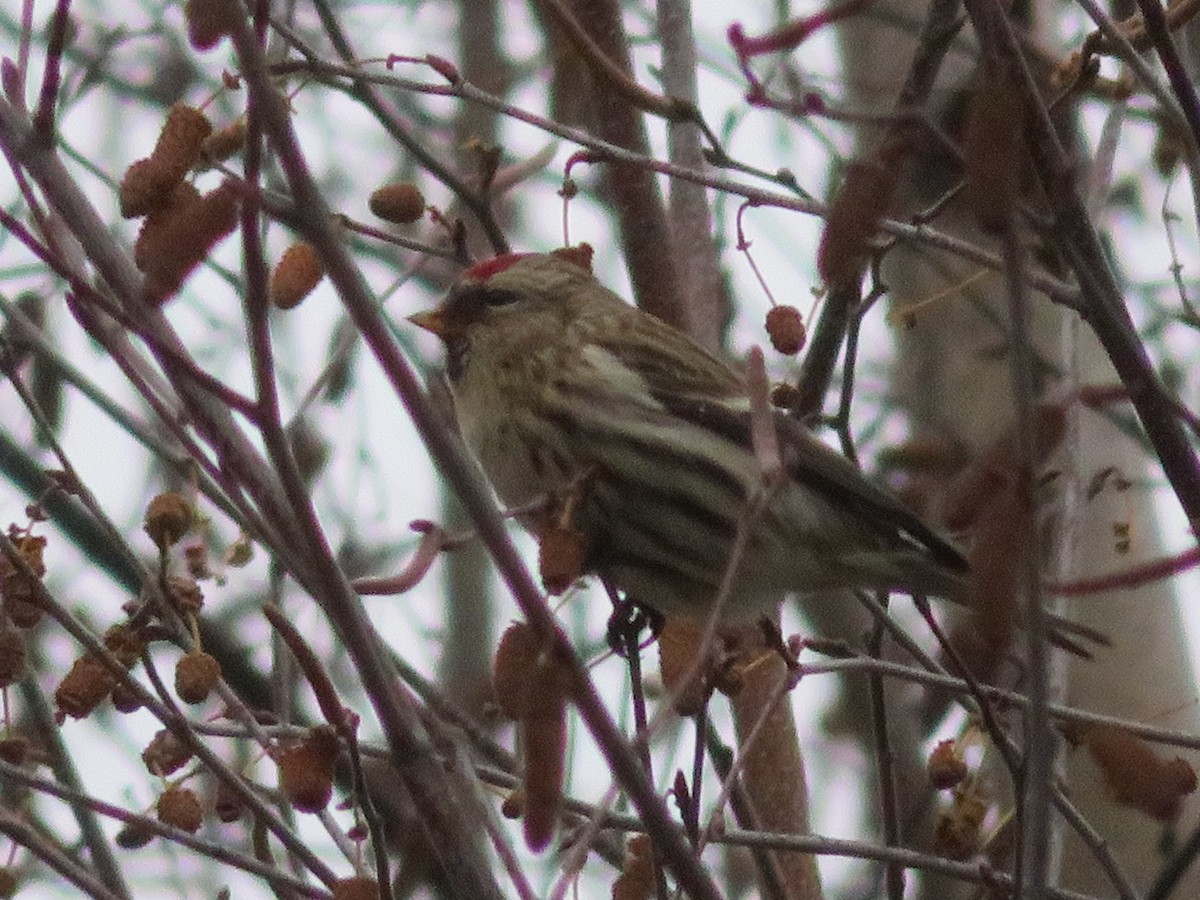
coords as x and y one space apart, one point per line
516 657
184 241
544 745
221 145
184 595
854 214
148 184
679 643
562 552
993 149
295 276
179 142
210 20
401 202
1135 772
145 187
177 203
358 887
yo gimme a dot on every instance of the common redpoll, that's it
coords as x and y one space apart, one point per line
563 389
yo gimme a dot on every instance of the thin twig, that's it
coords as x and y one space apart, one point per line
885 767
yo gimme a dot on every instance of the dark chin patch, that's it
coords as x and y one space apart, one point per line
482 271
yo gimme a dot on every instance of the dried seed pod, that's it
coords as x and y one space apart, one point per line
958 830
240 552
185 595
227 805
196 674
126 643
168 518
636 881
180 808
784 395
306 769
21 591
12 657
125 698
134 836
295 276
165 754
401 202
195 560
513 806
31 547
23 610
210 20
946 766
14 749
84 688
785 328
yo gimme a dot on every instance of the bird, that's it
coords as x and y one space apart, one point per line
560 387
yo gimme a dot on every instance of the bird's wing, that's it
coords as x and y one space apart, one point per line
668 360
818 467
700 388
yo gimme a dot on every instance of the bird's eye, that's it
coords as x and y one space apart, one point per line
498 297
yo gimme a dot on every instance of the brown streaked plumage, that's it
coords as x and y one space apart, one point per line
555 376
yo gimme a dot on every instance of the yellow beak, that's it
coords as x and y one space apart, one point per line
431 320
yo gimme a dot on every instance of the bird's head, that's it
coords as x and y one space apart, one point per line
515 301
